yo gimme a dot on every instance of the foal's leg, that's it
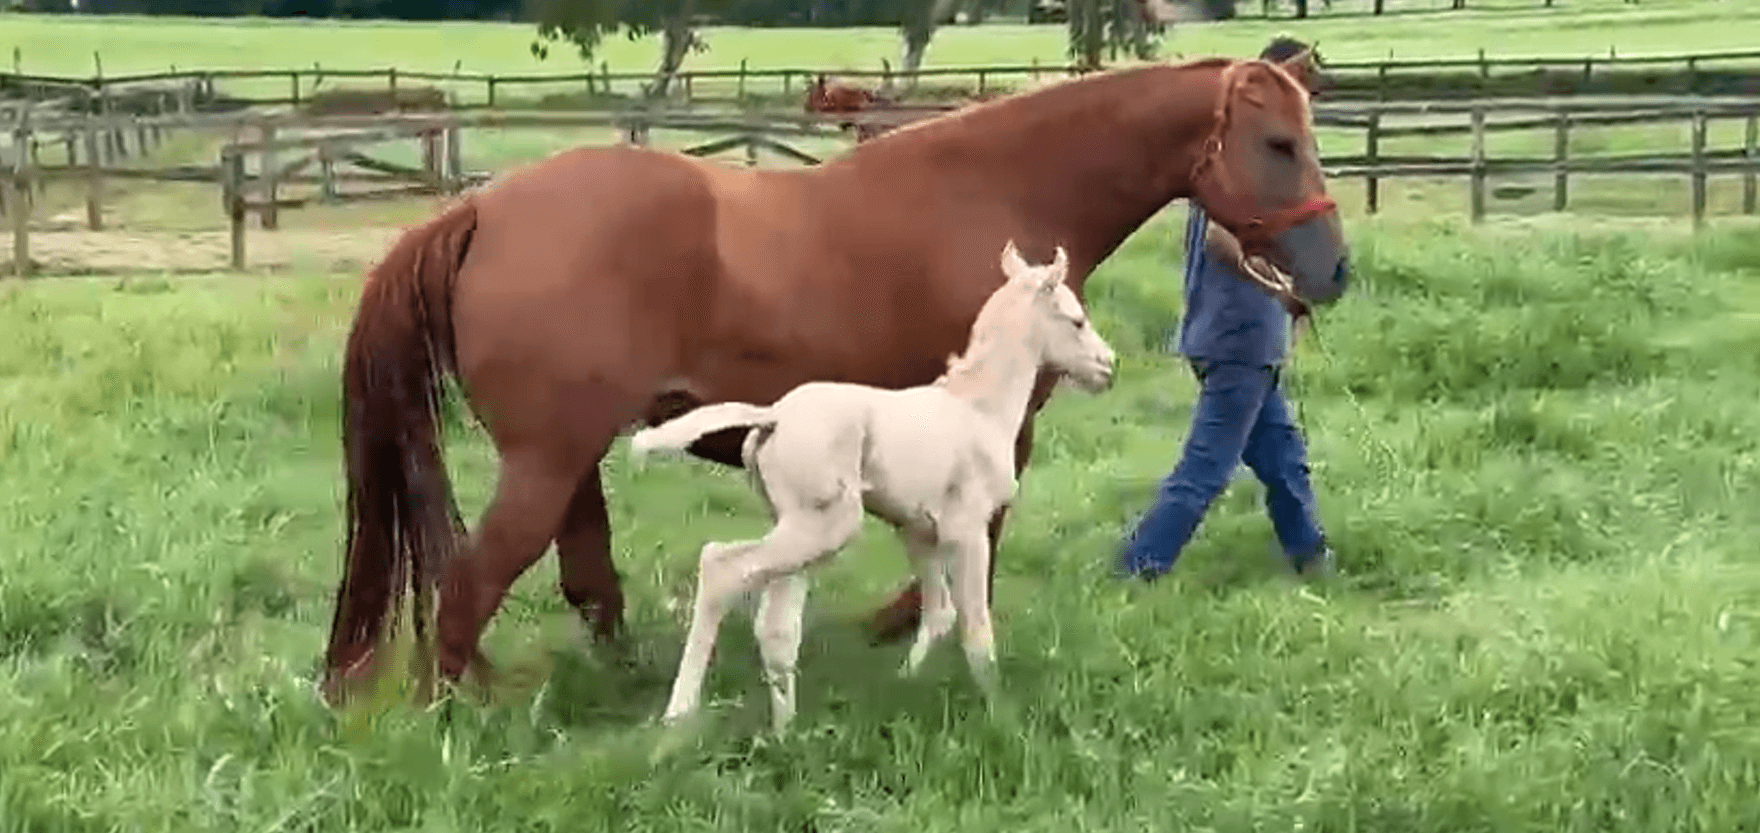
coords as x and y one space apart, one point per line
897 618
970 598
931 565
778 628
711 604
730 571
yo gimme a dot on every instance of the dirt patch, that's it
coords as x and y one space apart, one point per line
115 252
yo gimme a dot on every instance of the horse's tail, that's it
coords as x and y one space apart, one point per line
402 520
678 433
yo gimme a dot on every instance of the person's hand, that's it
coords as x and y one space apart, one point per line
1279 286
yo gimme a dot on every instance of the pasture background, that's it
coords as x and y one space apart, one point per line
63 45
1534 442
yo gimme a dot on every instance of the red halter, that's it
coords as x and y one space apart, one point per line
1233 211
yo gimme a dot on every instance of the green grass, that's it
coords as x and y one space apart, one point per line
1535 444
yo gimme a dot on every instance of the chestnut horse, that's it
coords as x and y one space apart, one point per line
606 287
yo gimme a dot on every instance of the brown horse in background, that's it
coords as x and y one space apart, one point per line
606 287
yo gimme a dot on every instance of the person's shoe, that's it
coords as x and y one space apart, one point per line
1320 566
1124 570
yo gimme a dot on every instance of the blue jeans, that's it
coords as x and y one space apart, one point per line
1240 417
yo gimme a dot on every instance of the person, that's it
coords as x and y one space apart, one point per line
1235 335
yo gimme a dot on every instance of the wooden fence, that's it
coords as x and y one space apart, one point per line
1477 120
289 146
1705 73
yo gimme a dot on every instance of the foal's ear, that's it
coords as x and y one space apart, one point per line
1013 267
1053 275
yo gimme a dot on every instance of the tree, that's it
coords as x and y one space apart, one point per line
586 24
1097 27
917 24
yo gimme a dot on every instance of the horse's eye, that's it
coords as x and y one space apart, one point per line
1285 147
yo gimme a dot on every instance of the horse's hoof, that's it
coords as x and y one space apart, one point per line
898 619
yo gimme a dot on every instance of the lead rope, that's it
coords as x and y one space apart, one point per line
1383 453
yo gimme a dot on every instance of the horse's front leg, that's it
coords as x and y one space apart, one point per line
904 613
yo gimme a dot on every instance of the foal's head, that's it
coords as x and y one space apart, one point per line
1258 174
1056 325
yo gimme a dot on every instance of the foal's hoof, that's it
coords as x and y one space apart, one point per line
678 734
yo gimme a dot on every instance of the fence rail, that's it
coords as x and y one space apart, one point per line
332 143
1697 73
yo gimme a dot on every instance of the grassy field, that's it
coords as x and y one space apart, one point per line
1534 443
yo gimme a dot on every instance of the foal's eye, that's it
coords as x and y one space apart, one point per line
1284 147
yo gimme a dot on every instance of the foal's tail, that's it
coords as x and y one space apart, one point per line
402 520
678 433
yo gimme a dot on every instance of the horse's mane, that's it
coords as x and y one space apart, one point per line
1039 98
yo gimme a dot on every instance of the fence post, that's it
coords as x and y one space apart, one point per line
269 172
327 173
752 149
1752 153
1372 156
1698 176
491 92
1478 165
431 158
293 83
740 85
1561 153
232 179
94 177
17 198
454 159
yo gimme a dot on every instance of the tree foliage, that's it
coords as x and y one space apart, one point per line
586 24
1101 29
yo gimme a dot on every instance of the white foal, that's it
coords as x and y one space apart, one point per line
935 461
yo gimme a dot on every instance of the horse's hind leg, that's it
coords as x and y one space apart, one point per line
727 572
706 613
531 496
778 628
583 549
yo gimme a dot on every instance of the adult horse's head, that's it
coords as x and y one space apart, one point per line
1258 174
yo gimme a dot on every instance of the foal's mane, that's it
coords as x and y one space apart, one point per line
984 333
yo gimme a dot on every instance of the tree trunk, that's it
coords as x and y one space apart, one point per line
920 19
1380 6
675 43
1087 34
1301 9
